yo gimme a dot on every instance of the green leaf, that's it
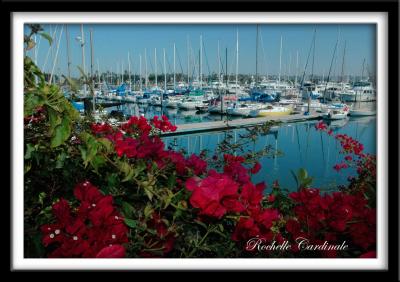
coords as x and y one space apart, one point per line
83 154
302 173
97 162
171 181
47 37
131 223
127 209
61 132
29 150
60 159
42 196
201 224
106 143
149 192
148 211
127 170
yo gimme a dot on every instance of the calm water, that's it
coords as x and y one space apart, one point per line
301 146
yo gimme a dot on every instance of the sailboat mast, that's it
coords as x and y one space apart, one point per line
165 83
201 62
188 61
83 57
312 66
280 63
68 52
237 59
140 73
219 67
155 64
362 71
330 67
297 67
344 54
290 63
98 72
91 68
122 72
174 68
145 68
129 70
257 54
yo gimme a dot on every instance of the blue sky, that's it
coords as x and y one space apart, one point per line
112 42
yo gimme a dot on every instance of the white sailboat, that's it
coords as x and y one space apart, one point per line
243 109
335 114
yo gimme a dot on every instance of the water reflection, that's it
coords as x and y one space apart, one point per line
301 147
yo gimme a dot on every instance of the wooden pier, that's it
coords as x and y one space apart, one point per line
203 127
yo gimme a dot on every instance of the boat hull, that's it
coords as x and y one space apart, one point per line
355 113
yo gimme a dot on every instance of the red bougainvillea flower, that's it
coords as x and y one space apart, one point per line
101 128
164 124
349 145
370 254
340 166
127 146
113 251
198 165
348 158
164 237
234 168
251 195
94 226
258 224
271 198
136 125
256 168
62 212
327 217
215 195
320 126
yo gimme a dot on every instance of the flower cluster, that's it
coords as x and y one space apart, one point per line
183 165
101 128
349 145
232 192
164 238
36 117
163 124
321 126
340 166
89 231
215 195
136 125
235 169
326 217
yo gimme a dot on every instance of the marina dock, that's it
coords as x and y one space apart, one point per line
202 127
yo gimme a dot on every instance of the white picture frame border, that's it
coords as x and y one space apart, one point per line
18 19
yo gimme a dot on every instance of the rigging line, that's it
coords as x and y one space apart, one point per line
308 57
205 55
151 66
170 69
312 66
229 69
263 51
179 60
50 47
330 68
